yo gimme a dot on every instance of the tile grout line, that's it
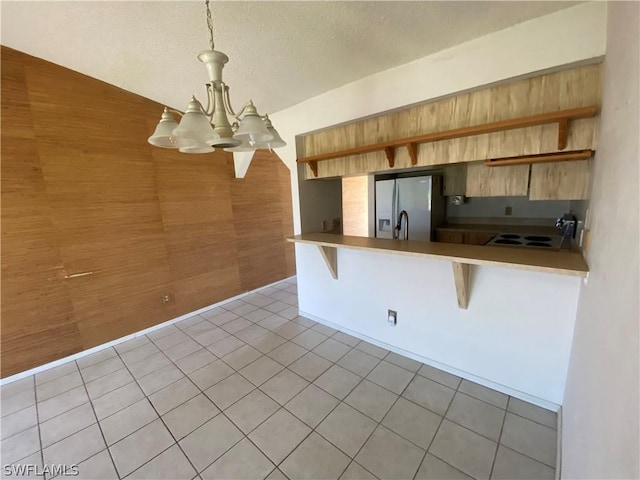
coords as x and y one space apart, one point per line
113 463
499 442
79 371
332 363
378 423
159 418
229 406
221 412
313 429
444 415
35 395
284 406
341 401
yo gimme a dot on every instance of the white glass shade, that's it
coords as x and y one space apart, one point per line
252 129
163 134
187 145
194 128
276 141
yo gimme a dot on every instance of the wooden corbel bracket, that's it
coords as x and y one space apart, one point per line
563 133
390 152
314 168
412 148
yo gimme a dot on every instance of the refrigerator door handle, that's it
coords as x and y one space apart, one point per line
394 206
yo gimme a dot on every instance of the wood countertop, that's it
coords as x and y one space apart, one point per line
558 262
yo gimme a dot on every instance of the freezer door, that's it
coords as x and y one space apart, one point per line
414 196
385 208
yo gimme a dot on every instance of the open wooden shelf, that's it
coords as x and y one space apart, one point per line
461 256
561 117
540 158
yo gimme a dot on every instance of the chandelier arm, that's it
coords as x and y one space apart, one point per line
227 102
211 101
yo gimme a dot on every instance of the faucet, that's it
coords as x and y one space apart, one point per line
398 227
567 227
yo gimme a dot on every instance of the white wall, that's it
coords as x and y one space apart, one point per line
600 414
522 350
575 34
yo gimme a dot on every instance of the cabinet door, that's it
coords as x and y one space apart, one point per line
560 181
446 236
455 180
484 181
355 206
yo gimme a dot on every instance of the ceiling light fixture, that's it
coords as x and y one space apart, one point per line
202 130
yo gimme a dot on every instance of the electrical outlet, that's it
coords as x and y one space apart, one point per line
166 298
508 211
392 318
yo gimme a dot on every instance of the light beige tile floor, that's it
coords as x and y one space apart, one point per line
251 390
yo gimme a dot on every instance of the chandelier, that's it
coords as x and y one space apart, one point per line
202 130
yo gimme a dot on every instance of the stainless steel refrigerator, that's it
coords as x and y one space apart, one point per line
421 200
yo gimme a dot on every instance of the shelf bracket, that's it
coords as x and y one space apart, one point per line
390 152
461 279
413 153
330 257
563 133
314 168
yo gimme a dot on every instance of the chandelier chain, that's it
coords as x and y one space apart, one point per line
209 24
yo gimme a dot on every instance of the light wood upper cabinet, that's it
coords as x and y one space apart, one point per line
355 206
455 180
560 181
484 181
567 89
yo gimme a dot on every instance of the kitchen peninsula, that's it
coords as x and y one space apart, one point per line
499 315
461 256
558 262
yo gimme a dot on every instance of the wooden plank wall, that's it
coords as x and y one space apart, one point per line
355 206
573 88
510 181
82 192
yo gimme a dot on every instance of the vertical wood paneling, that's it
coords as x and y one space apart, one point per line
284 176
355 206
83 192
197 217
258 222
37 313
103 201
573 88
484 181
560 181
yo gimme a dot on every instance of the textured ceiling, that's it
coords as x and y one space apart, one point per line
281 53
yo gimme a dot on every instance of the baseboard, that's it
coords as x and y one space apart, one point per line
131 336
460 373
